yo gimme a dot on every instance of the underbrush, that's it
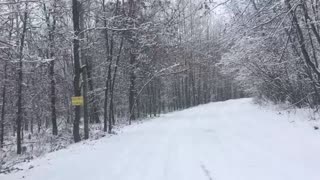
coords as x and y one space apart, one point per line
43 142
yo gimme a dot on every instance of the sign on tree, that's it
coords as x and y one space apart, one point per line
77 100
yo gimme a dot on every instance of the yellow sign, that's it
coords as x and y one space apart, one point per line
77 100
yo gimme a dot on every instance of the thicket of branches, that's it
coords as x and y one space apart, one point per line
129 59
274 52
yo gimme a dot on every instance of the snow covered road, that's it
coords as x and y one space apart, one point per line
232 140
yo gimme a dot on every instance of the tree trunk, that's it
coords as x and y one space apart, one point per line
109 49
113 81
105 114
84 72
51 54
53 99
20 83
132 62
108 83
94 113
77 68
132 88
4 89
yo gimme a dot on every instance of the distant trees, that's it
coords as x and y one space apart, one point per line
129 59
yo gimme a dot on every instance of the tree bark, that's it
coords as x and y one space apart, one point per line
113 83
84 72
94 113
132 87
4 90
20 82
77 68
132 62
51 55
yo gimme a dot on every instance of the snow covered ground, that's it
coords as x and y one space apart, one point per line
232 140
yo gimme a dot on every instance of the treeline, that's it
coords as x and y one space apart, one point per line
274 49
128 59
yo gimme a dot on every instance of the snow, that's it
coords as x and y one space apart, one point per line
231 140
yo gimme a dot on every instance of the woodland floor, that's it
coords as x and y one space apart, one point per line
231 140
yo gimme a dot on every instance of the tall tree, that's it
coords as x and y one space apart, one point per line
20 78
77 68
51 25
84 72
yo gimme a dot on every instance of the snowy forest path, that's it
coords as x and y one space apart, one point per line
231 140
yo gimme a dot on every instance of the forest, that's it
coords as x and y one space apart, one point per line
128 60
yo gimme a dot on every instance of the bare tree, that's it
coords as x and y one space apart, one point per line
77 68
